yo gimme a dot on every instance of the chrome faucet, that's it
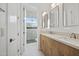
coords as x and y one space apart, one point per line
73 35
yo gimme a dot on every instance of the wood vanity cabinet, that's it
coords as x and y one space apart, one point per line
42 44
45 46
50 47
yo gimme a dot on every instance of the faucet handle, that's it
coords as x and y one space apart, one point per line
73 35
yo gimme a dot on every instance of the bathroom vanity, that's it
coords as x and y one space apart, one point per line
56 45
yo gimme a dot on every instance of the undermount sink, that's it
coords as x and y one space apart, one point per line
59 36
67 38
50 32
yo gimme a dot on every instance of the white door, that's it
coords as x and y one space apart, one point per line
12 30
3 44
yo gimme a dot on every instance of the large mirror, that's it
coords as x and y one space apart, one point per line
54 17
71 14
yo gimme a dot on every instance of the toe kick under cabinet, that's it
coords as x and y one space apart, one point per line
50 47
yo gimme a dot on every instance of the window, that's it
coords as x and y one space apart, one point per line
31 22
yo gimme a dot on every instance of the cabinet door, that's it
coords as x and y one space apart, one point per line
60 48
42 43
71 14
70 51
65 50
48 47
45 45
55 48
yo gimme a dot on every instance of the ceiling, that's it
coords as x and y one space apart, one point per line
40 6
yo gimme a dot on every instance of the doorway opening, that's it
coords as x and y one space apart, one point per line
30 26
31 22
31 32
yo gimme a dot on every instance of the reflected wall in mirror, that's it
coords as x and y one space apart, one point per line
54 17
71 14
45 21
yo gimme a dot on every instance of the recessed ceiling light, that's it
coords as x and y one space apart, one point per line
54 5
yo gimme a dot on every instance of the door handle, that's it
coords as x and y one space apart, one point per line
11 40
23 32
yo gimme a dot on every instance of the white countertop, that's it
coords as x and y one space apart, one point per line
68 41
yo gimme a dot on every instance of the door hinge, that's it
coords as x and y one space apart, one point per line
18 50
18 34
23 44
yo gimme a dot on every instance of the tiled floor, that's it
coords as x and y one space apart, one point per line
31 41
32 50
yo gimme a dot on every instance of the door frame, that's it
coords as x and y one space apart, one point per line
31 7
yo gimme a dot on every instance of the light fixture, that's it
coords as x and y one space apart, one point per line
53 5
44 13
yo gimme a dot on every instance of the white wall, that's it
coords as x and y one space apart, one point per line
3 29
